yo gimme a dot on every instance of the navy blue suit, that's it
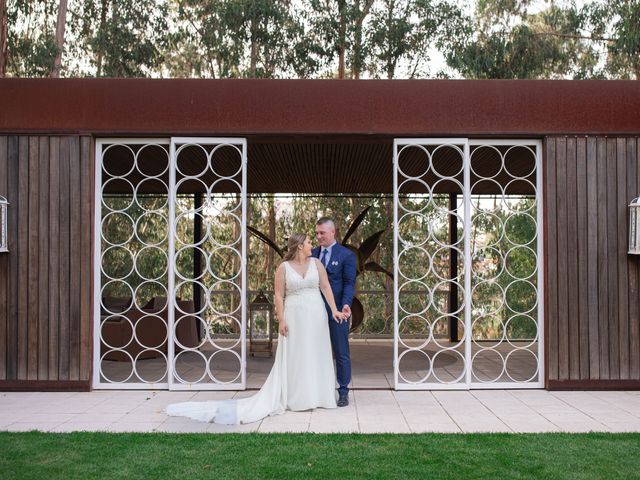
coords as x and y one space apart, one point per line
341 270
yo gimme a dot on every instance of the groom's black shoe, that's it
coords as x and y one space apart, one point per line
343 400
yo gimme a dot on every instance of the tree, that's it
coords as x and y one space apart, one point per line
30 43
3 37
60 27
403 31
615 24
239 38
121 38
509 42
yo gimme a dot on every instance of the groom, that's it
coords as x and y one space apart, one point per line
340 263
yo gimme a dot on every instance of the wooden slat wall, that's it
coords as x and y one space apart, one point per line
45 279
592 285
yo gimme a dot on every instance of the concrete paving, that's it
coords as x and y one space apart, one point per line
370 411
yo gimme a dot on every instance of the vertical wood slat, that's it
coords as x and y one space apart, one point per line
4 263
592 257
551 332
582 260
603 246
32 270
612 270
633 190
13 155
23 256
572 262
562 221
43 258
54 253
63 326
74 258
86 195
622 236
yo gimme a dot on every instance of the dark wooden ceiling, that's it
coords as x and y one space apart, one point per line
327 167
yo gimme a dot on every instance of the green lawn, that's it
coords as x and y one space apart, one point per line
188 456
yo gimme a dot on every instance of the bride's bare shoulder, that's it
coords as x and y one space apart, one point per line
317 262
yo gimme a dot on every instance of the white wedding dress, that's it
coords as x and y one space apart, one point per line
303 374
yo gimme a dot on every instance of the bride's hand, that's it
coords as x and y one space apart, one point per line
284 330
339 316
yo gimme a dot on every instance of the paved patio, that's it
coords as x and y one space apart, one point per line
370 411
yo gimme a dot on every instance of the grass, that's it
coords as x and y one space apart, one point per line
86 455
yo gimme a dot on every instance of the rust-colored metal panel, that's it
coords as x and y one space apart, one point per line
368 107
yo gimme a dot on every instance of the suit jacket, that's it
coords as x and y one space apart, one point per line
341 271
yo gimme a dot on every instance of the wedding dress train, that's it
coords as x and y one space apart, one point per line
303 374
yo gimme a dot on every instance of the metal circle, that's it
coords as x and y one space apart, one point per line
162 254
427 330
510 218
510 286
216 148
429 369
103 196
177 160
448 257
484 284
429 297
102 295
447 318
141 320
428 195
404 219
525 147
236 339
404 252
212 198
505 196
458 150
419 147
137 195
492 351
476 338
113 146
216 286
210 370
177 258
214 238
473 190
496 222
117 215
510 338
460 289
180 208
187 282
475 258
448 351
164 372
188 241
104 265
165 153
142 218
489 147
116 347
102 372
506 362
144 284
215 274
175 329
175 366
512 273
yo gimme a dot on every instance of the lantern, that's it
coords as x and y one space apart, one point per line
261 325
4 236
634 227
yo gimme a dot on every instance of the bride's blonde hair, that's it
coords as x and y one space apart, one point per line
295 240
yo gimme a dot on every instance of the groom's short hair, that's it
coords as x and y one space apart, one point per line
323 220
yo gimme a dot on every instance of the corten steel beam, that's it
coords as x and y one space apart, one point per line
507 108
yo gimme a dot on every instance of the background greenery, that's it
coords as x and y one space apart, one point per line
321 38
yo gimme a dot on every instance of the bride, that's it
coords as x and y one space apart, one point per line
302 376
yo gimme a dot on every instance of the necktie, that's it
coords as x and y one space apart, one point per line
323 257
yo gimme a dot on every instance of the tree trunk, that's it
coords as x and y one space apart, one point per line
3 37
101 27
254 51
342 41
60 27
